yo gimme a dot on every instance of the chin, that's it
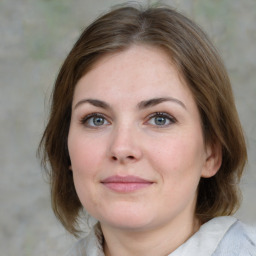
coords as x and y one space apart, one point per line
127 219
128 224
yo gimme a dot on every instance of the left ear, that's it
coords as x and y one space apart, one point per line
213 160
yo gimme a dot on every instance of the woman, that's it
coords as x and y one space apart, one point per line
144 135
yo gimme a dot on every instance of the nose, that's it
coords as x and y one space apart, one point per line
125 145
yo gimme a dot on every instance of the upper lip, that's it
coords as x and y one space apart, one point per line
125 179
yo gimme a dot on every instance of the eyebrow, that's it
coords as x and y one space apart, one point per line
141 105
156 101
94 102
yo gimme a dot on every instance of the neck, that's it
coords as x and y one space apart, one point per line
161 241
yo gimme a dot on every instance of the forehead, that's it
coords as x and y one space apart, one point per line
138 71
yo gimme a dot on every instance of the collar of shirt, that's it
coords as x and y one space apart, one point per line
203 242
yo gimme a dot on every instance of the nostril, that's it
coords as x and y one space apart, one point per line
128 157
114 158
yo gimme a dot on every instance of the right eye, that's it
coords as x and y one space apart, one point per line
94 120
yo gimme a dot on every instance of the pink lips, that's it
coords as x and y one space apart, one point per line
125 184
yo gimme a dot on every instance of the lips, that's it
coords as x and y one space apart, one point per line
125 184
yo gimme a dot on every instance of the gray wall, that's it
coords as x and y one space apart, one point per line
35 37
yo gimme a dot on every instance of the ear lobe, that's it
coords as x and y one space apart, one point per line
213 160
70 168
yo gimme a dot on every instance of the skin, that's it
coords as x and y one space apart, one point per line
130 139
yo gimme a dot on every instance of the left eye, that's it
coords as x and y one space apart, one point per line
161 119
94 121
97 121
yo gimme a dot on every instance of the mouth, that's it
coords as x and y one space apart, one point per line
125 184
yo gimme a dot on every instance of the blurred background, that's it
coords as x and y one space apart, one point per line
35 37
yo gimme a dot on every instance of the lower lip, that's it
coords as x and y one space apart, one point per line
123 187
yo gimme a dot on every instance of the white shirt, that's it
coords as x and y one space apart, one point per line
221 236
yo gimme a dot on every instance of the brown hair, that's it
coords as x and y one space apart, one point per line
199 64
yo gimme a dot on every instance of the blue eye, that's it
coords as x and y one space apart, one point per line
94 120
161 119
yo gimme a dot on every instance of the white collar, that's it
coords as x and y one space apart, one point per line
205 241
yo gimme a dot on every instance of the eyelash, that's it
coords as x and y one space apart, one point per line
87 118
170 118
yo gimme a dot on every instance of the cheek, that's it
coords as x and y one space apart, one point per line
178 156
85 160
84 153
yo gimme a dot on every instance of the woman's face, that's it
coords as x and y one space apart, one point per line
135 142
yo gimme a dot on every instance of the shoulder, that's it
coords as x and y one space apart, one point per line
240 239
221 236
